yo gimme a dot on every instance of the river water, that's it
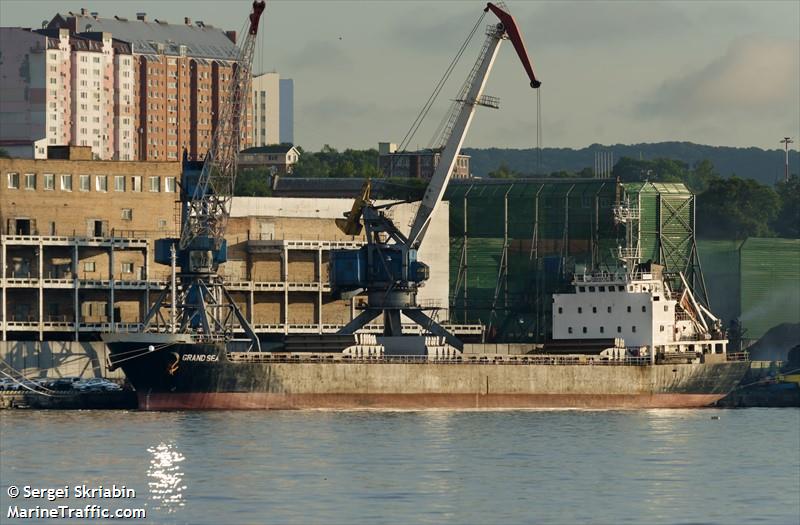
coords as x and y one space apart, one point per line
639 467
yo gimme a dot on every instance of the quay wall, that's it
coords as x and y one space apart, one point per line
52 359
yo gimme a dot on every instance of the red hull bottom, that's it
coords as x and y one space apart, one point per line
267 401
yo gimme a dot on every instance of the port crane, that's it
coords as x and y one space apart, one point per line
195 302
387 268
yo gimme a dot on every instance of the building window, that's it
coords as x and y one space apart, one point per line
629 309
602 329
619 329
560 310
580 310
594 309
127 214
66 183
49 181
666 308
30 181
127 267
609 309
13 181
136 183
661 328
101 183
633 329
584 329
591 288
85 183
119 183
162 224
569 330
169 184
644 308
89 266
155 184
601 289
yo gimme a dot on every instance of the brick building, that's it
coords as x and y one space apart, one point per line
130 89
416 164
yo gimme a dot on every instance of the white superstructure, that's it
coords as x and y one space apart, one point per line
638 308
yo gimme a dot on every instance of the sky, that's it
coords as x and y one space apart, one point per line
716 72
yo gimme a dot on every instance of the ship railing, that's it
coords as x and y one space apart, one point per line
265 357
738 356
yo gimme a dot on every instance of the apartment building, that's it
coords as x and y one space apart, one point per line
130 89
77 252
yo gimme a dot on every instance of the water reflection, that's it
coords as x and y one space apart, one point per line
166 477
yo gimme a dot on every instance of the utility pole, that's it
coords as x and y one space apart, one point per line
786 141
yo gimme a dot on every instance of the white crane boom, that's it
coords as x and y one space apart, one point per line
458 124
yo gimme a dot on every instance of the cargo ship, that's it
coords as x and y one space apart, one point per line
621 341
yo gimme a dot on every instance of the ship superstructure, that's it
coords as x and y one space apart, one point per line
641 314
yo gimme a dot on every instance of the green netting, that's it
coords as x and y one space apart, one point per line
770 284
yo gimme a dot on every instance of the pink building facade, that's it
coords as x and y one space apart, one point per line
59 88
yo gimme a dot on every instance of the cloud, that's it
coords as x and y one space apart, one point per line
756 76
321 56
581 23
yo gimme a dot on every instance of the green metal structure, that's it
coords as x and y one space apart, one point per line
666 228
769 285
513 243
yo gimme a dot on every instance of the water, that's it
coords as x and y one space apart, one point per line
639 467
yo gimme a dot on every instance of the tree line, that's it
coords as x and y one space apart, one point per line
727 207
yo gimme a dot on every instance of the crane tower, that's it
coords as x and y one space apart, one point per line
195 302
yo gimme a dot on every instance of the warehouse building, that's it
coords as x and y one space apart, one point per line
77 248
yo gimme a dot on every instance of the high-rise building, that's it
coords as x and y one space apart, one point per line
62 88
273 110
130 89
287 111
266 109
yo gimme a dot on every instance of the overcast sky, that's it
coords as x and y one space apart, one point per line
720 73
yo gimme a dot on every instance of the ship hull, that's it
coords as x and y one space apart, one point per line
202 377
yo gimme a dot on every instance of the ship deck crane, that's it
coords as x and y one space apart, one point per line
195 302
386 268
